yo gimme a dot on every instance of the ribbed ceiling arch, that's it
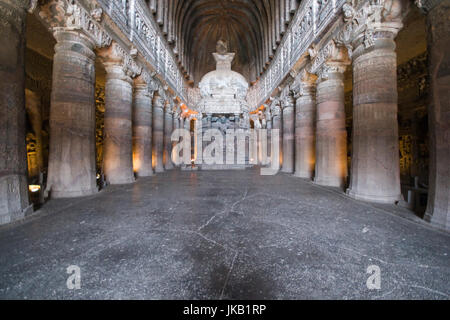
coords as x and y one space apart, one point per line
252 29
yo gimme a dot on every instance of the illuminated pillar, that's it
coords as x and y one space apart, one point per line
277 125
71 167
331 135
158 131
288 134
118 160
375 167
142 129
176 125
168 129
305 110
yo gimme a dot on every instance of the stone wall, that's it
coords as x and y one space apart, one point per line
99 125
413 87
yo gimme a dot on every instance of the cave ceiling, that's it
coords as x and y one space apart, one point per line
252 29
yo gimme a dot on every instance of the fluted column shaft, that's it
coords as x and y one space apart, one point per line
158 132
118 160
438 26
176 125
277 125
208 120
168 129
71 167
288 135
331 135
375 168
13 156
305 115
142 131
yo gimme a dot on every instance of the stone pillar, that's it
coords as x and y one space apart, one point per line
288 134
237 117
277 125
34 112
268 116
176 125
176 121
187 123
158 131
142 129
208 121
71 167
118 160
331 135
14 202
438 26
375 166
168 129
305 115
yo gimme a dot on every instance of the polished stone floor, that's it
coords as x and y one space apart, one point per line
222 235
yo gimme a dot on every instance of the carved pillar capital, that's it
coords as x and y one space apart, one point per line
158 100
367 26
140 88
146 82
275 108
70 16
26 5
119 63
329 70
287 101
305 84
333 58
426 5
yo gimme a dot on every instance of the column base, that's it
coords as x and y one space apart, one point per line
436 222
168 167
287 170
14 216
373 198
143 174
122 181
303 175
329 182
159 170
56 194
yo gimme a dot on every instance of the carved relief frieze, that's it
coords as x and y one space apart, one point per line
312 18
115 54
68 15
331 58
364 21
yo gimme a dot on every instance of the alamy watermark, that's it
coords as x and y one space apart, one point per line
374 280
74 280
234 146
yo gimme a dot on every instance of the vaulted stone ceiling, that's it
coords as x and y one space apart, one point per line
252 28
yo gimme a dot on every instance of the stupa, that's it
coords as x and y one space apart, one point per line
223 91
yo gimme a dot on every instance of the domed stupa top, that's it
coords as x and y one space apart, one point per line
222 90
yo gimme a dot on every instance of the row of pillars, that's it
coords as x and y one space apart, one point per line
314 144
137 127
315 137
131 119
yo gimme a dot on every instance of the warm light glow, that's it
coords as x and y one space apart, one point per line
136 162
34 187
